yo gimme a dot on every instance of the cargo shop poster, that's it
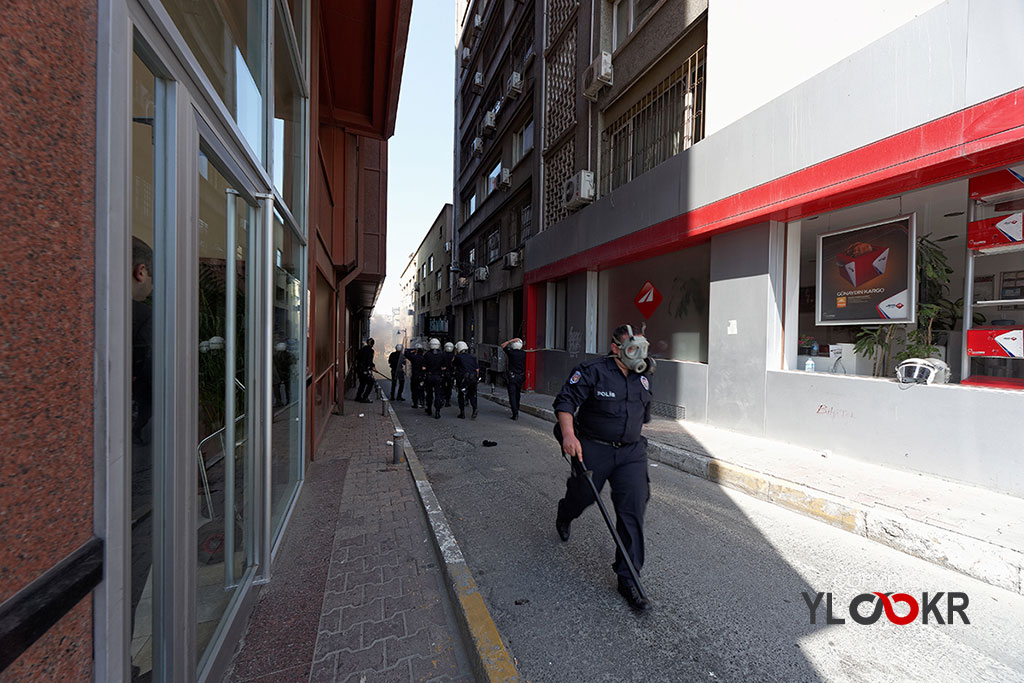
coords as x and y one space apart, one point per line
866 273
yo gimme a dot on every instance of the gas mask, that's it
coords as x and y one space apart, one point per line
633 351
516 345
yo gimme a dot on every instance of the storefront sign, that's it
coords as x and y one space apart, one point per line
865 274
647 300
437 324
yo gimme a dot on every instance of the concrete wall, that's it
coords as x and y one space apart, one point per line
947 59
756 51
741 290
977 440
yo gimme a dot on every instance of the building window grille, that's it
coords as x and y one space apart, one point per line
663 122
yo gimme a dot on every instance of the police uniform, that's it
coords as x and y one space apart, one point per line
515 373
397 362
415 357
364 365
610 408
447 379
433 368
467 376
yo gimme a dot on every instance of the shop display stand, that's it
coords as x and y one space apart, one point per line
984 240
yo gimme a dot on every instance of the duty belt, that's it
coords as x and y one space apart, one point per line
603 442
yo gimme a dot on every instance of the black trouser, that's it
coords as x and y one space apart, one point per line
515 390
397 380
416 389
446 387
467 392
432 392
365 385
625 468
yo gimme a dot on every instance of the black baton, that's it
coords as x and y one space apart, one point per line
579 470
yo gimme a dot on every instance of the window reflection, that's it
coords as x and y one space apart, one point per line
227 39
289 131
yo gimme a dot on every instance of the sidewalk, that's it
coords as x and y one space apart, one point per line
968 529
357 592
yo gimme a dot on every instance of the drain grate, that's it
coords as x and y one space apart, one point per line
669 410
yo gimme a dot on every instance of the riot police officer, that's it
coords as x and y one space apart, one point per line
601 409
467 376
364 369
415 357
397 362
447 379
432 365
515 372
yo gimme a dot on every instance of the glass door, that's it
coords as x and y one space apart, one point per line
225 457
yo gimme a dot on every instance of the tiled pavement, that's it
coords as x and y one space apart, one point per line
357 593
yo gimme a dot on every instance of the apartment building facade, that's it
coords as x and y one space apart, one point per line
738 166
427 277
207 182
496 107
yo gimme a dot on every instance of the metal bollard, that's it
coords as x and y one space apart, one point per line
383 405
399 449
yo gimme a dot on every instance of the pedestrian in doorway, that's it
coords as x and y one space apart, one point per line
515 372
601 410
467 376
433 366
364 369
448 379
397 362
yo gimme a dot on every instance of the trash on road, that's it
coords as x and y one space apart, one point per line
390 443
490 443
362 414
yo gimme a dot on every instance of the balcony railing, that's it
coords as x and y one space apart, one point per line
663 122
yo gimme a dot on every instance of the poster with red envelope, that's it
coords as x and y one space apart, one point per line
864 274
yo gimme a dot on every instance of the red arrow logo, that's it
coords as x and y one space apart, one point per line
648 299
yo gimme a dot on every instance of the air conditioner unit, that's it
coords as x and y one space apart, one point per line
478 147
481 273
478 82
515 85
505 179
476 26
466 55
463 282
490 122
416 287
511 260
578 190
597 75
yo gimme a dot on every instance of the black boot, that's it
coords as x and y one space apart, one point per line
462 414
437 413
474 413
629 591
428 410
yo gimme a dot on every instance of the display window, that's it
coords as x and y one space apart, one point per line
932 275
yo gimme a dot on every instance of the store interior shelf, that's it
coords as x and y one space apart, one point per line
1000 302
995 382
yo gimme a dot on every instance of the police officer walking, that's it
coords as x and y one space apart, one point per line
415 357
364 368
515 372
447 379
467 376
601 409
432 364
397 362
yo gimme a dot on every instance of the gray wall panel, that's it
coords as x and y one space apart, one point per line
740 287
976 441
993 67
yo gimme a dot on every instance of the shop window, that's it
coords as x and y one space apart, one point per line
678 327
289 123
862 269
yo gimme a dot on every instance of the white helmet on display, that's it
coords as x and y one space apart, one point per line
398 347
517 344
461 347
435 344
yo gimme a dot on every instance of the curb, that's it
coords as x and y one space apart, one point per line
491 660
993 564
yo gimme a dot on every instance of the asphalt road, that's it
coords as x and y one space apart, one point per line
725 574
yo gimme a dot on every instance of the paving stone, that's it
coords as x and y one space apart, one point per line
370 611
430 668
380 630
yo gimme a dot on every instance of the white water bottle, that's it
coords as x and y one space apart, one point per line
809 365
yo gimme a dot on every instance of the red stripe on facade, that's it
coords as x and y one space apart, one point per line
985 136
